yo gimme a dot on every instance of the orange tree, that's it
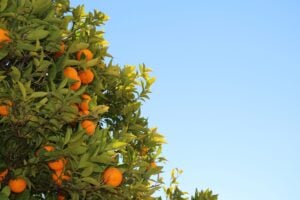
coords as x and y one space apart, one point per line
71 124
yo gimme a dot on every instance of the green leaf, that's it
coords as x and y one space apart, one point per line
92 62
3 5
76 46
84 161
63 83
74 196
91 181
25 46
113 71
3 196
104 158
77 150
24 195
3 54
15 73
38 95
37 34
70 62
44 65
52 72
2 78
116 145
41 6
100 109
77 137
159 138
6 191
68 135
22 89
87 171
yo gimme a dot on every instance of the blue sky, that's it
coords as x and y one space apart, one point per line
227 93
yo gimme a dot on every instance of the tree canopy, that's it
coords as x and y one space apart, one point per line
71 122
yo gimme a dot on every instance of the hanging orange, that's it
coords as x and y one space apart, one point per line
86 76
86 97
58 176
84 105
86 52
4 110
60 197
17 185
4 36
49 148
112 176
3 175
46 148
89 126
75 86
57 164
61 50
153 165
71 73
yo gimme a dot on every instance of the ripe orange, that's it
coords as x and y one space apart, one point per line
49 148
58 176
17 185
144 151
71 73
153 165
4 36
86 97
75 86
89 126
3 175
46 148
60 197
57 165
86 52
112 176
4 110
84 112
84 106
61 50
86 76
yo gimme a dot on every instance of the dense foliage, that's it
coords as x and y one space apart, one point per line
71 124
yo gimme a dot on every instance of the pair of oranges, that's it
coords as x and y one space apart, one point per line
16 185
89 126
85 77
57 166
82 77
84 105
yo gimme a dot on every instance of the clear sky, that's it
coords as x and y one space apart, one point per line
227 95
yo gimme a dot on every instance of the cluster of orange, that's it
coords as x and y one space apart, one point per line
58 167
17 184
79 77
111 176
